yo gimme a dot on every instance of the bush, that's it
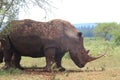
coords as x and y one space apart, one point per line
117 40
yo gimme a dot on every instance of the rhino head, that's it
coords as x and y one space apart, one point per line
79 54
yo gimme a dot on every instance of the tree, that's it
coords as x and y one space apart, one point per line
105 30
9 9
116 34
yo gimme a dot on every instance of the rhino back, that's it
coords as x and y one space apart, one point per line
30 37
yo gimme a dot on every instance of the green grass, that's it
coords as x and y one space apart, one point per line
10 71
105 68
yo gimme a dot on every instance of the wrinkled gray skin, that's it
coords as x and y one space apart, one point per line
44 39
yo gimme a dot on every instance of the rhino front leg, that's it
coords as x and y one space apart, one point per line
58 60
50 59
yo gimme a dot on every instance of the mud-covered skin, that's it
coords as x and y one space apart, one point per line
45 39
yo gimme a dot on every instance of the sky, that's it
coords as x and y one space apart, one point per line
79 11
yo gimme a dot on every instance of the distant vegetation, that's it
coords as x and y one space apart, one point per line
87 31
108 31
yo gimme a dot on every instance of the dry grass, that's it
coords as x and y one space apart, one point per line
102 69
68 75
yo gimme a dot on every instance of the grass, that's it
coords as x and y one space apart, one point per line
105 68
10 71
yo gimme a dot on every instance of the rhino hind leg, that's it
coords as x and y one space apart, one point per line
1 56
7 59
16 61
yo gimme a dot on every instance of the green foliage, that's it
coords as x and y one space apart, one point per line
117 40
8 11
1 11
116 35
105 30
108 31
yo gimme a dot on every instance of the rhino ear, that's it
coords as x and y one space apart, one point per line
79 34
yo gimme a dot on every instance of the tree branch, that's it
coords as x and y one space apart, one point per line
9 6
1 4
6 12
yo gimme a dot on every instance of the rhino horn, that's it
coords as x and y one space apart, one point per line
94 58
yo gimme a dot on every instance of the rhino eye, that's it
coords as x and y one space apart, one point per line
79 34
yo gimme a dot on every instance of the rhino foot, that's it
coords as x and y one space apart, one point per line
21 68
17 66
61 69
47 69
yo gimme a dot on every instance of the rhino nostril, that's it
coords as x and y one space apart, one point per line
81 65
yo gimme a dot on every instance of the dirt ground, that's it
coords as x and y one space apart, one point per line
38 74
78 75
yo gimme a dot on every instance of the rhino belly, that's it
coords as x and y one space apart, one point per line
28 47
34 51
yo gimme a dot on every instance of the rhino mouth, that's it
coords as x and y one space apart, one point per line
80 65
